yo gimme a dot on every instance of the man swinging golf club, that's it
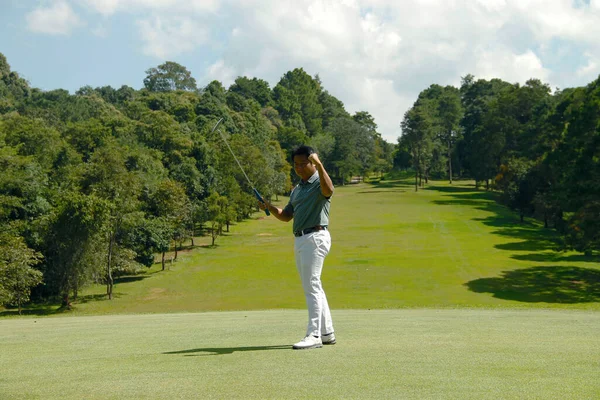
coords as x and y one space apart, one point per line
309 208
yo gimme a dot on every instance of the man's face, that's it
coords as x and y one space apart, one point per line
304 168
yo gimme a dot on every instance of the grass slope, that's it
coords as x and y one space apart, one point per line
400 354
446 246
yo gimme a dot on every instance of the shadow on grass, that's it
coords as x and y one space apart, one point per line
456 189
391 184
132 278
209 246
549 284
382 191
556 257
528 245
480 199
96 297
215 351
40 311
56 308
568 285
530 235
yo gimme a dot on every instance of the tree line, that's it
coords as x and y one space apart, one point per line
95 183
540 149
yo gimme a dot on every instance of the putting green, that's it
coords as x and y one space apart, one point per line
400 354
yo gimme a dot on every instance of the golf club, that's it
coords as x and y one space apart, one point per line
258 196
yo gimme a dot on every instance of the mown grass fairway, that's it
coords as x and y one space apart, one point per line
393 354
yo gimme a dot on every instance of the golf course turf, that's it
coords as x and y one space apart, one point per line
438 294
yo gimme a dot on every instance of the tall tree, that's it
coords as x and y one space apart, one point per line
171 204
74 244
417 131
107 176
577 161
257 89
168 77
476 96
353 149
297 97
449 114
17 275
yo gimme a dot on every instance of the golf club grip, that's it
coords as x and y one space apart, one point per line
259 197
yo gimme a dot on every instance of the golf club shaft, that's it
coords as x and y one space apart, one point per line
256 194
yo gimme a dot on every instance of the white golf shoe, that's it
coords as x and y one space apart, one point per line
328 339
309 342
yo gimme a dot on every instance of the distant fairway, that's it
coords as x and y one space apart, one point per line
382 354
446 246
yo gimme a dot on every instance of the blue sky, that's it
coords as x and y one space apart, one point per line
374 55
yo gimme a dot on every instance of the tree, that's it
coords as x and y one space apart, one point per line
297 96
449 114
365 119
381 160
74 244
106 176
17 275
476 96
402 155
171 204
254 88
217 214
280 181
417 131
333 108
353 148
13 88
576 166
518 191
168 77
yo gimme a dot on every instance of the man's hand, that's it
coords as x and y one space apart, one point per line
314 159
326 184
263 206
275 211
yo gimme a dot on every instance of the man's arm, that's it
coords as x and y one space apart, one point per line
324 179
277 212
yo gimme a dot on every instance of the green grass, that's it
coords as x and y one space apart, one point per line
399 354
443 247
438 294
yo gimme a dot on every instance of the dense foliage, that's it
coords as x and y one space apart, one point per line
540 150
95 183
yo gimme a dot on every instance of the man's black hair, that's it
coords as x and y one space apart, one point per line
302 151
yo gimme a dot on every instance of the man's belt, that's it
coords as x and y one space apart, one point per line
310 230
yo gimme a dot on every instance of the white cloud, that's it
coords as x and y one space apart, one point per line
510 67
57 19
374 55
222 73
105 7
109 7
592 69
169 37
386 105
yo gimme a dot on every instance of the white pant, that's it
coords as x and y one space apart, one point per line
311 250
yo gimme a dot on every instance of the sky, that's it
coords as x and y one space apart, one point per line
373 55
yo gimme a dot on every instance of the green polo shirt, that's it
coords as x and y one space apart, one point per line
308 205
